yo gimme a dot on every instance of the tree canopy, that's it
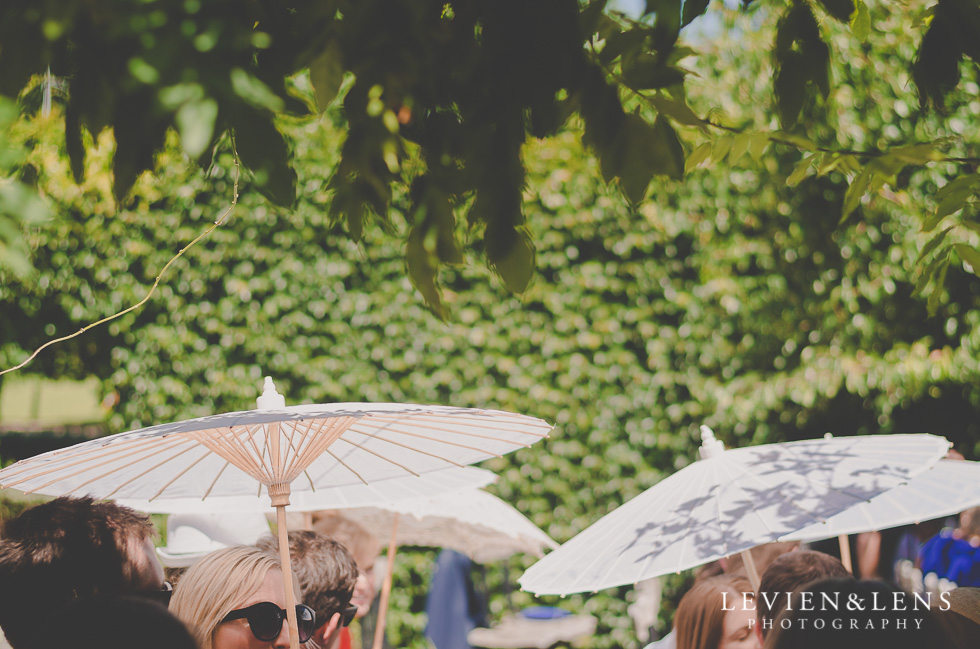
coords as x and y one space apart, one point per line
439 97
733 297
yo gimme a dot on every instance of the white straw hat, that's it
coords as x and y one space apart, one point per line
191 536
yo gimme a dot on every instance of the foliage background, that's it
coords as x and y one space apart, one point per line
732 298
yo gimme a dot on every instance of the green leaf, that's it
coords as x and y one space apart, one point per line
828 162
327 75
927 273
951 203
970 255
645 72
936 70
623 43
799 173
676 110
937 288
917 153
789 84
795 140
73 142
511 255
667 23
589 17
839 9
721 148
138 132
195 123
264 152
422 268
698 155
638 145
860 21
668 150
758 144
692 9
740 144
254 91
854 193
967 184
932 244
435 220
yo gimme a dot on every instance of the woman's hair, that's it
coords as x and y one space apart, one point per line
700 618
217 585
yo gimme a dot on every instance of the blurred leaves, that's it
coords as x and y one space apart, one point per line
20 205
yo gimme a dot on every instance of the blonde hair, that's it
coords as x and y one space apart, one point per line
217 585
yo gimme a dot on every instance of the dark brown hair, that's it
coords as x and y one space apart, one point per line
61 551
788 573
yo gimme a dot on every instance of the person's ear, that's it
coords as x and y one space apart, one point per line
327 632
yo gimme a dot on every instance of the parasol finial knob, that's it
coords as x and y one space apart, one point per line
710 447
270 399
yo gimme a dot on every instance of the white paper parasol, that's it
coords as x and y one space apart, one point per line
729 502
472 522
949 487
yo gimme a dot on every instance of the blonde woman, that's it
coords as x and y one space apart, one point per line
234 599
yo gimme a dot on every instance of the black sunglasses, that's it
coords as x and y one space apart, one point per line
348 615
265 620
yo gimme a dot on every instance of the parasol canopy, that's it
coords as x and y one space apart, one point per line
728 502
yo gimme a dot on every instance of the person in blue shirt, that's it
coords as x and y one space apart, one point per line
955 554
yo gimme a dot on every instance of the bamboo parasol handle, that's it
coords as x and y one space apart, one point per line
750 569
287 576
845 552
379 631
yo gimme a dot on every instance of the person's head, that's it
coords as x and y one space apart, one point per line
716 614
787 574
121 622
363 546
965 601
234 598
852 614
68 549
326 573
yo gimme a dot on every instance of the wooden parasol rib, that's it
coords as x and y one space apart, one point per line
54 466
477 419
414 450
431 439
389 427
